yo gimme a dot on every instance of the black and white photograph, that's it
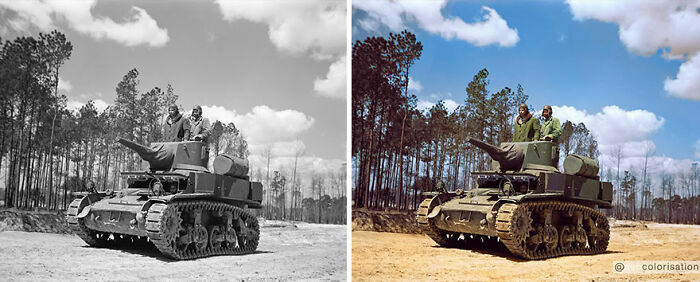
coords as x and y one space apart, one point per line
173 140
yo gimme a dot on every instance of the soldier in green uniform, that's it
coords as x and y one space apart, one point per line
550 130
526 127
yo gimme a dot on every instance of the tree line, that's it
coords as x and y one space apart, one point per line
674 199
48 151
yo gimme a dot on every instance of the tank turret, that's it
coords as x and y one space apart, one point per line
520 156
164 156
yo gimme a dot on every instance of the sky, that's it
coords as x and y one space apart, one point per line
277 70
630 70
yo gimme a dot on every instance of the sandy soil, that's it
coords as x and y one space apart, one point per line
311 251
379 256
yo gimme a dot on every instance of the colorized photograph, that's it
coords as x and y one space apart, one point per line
528 140
173 140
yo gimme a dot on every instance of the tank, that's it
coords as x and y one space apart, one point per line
178 205
526 203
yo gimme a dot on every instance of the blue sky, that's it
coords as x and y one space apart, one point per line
559 60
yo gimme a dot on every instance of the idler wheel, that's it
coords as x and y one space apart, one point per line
600 233
248 234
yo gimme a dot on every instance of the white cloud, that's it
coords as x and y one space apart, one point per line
263 126
451 105
631 132
414 85
312 27
687 82
424 106
100 105
64 85
697 149
613 125
491 29
646 26
334 84
138 28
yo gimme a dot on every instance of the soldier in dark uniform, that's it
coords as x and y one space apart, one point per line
176 128
199 125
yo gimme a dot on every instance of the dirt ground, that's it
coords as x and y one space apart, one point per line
380 256
304 252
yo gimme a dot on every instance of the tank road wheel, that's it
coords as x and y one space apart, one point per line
201 238
579 229
566 237
215 237
199 228
551 236
231 236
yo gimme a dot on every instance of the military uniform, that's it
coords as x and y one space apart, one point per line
176 129
528 130
200 127
552 127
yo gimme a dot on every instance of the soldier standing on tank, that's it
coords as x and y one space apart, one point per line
550 130
176 128
526 127
199 125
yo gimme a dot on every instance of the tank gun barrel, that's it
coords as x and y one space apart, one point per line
158 156
496 153
508 155
143 151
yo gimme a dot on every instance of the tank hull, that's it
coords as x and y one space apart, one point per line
530 226
181 226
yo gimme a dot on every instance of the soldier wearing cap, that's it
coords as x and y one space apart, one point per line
176 128
550 129
199 125
526 127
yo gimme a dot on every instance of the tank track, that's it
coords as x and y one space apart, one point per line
235 232
514 224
